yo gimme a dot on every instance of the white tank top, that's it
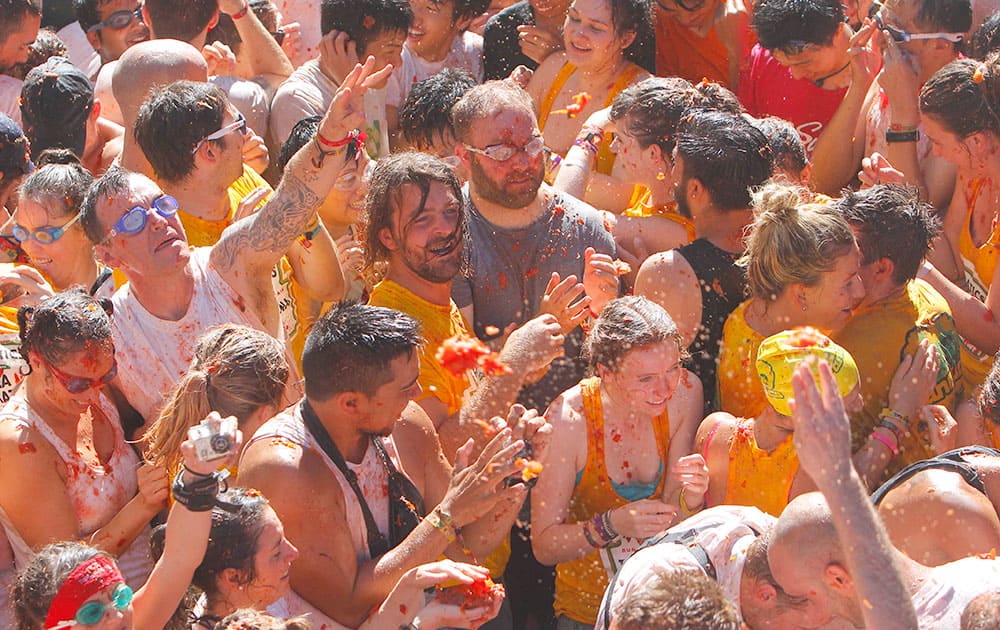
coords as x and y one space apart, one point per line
97 492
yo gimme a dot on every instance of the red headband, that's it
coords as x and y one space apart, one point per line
83 582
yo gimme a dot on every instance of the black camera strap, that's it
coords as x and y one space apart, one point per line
377 543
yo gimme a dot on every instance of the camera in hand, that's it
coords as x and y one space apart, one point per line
213 439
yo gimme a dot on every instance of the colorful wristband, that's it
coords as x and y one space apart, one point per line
242 12
884 440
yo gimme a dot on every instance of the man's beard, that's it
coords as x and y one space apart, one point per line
493 192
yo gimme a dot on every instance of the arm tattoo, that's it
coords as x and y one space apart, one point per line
271 230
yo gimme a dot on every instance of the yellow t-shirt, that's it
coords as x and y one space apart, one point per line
437 323
879 336
296 310
739 389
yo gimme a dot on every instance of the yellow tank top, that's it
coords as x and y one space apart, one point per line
978 265
758 478
739 389
605 157
580 583
641 206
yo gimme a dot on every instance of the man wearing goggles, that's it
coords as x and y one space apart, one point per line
800 69
910 40
176 292
112 27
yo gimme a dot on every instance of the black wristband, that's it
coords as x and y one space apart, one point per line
199 495
902 136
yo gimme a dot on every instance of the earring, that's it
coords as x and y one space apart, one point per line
660 176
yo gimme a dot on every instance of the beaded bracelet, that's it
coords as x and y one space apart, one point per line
590 539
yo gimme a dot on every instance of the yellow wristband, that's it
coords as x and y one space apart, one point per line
442 522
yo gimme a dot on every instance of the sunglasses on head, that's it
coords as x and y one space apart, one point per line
91 613
133 221
900 36
504 152
118 20
44 235
240 123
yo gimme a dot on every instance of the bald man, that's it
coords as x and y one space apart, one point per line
142 67
831 549
927 502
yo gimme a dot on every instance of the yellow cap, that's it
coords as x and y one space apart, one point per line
780 354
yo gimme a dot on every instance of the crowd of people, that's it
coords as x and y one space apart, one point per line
506 314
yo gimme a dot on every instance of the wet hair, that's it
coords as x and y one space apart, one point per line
302 132
37 583
780 22
365 20
650 110
88 12
485 101
635 16
385 194
180 20
986 38
173 120
237 523
891 222
251 619
225 31
677 600
988 399
625 324
47 44
60 183
236 371
115 181
425 116
964 96
982 612
66 323
786 145
351 346
947 16
13 12
718 98
791 243
465 9
726 153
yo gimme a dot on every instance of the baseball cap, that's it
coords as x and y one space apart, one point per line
56 101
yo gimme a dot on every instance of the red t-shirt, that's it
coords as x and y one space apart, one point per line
767 88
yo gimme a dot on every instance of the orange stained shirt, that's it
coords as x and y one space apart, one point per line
979 263
757 477
680 52
739 390
580 583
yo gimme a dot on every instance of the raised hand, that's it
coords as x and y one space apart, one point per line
642 519
822 434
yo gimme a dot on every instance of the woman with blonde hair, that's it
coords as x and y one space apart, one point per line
802 266
237 371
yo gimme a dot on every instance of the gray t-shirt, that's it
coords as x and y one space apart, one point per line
511 268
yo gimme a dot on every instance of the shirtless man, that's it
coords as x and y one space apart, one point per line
699 284
361 374
416 223
175 293
919 38
833 550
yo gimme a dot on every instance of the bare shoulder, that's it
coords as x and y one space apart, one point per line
663 273
565 413
544 74
687 402
26 446
716 432
287 473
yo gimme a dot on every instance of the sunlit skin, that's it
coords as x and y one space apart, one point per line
48 393
345 204
387 48
513 183
110 43
14 49
433 30
66 261
271 567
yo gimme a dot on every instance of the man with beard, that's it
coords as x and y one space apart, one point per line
718 158
416 223
528 246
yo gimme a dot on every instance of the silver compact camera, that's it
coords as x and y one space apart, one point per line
213 439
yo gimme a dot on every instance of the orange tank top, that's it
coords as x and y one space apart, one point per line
605 157
978 265
740 391
758 478
580 583
680 52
